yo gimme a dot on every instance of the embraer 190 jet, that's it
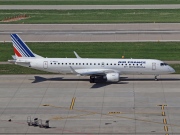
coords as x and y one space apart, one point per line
107 69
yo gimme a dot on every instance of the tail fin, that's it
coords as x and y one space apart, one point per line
20 48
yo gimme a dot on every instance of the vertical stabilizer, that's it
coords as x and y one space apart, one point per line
20 48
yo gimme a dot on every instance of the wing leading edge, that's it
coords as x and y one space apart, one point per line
89 72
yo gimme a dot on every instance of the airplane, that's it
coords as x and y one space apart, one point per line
106 69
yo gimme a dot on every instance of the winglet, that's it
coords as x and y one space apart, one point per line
77 56
73 71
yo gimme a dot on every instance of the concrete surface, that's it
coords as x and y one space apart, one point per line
129 107
80 7
134 32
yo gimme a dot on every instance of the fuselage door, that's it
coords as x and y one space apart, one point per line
45 64
153 66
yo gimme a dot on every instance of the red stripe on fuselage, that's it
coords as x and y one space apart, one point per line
17 53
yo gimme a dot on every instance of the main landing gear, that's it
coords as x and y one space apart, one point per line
155 78
96 79
92 79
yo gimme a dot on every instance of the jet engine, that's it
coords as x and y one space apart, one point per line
112 77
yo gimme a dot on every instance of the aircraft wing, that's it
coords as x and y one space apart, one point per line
88 72
77 56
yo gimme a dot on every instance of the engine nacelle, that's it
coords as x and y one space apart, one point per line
112 77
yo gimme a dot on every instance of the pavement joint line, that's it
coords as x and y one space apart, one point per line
115 116
12 97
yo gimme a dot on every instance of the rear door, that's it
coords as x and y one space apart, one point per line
45 64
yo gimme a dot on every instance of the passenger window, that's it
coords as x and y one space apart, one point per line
66 63
83 63
51 63
69 63
62 63
90 63
54 63
79 63
86 63
162 64
98 63
72 63
94 63
114 63
58 63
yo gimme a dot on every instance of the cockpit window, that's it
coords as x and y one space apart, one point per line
163 64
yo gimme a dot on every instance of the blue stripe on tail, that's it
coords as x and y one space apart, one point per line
23 47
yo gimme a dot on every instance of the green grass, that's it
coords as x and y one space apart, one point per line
94 16
86 2
176 67
146 50
16 69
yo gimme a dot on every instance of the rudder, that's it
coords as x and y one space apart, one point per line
20 48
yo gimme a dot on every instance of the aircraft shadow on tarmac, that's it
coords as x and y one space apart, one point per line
39 79
98 84
101 83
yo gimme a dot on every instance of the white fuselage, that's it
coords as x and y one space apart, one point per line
83 65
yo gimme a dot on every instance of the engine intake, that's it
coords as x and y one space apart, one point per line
112 77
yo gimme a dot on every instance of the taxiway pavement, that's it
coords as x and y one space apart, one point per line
133 32
84 7
136 105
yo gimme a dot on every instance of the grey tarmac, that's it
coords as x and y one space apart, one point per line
80 7
135 105
121 32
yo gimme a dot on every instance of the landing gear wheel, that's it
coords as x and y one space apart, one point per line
156 79
92 79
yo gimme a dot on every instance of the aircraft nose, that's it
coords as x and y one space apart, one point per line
171 70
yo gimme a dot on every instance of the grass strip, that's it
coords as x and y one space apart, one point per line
145 50
16 69
86 2
93 16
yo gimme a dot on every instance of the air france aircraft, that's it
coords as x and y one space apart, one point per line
107 69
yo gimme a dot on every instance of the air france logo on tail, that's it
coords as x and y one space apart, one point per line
20 48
